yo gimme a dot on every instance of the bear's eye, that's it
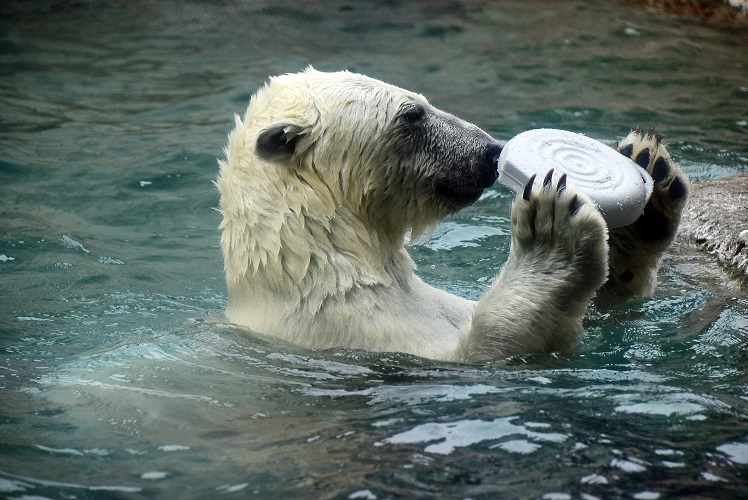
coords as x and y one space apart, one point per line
411 113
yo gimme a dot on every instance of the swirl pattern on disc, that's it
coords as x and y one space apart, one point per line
586 165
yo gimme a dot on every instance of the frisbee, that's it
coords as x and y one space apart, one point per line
619 187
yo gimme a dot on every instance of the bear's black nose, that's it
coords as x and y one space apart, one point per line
491 164
493 152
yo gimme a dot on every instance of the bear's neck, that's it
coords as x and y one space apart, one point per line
306 254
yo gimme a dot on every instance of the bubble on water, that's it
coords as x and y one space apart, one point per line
154 475
553 495
627 465
8 486
594 479
736 452
363 495
713 477
647 495
65 451
173 447
672 465
70 243
231 488
521 446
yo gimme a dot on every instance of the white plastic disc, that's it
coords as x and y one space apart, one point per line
619 187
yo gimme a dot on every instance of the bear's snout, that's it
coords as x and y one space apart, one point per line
477 169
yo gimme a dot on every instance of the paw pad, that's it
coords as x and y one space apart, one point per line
660 169
677 190
642 159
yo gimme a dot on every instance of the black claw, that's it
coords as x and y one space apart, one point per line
638 130
651 132
528 188
660 169
561 186
642 159
677 190
574 205
615 145
548 179
627 150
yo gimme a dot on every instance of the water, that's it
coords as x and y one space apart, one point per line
119 378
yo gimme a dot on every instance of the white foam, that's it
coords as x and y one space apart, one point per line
448 436
737 452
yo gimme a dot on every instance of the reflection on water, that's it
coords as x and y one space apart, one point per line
119 378
464 433
152 415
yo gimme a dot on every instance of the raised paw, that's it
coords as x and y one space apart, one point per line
659 222
557 231
558 260
635 250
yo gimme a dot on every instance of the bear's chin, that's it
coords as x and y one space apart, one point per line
456 200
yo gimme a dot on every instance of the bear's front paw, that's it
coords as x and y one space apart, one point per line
558 232
635 250
558 259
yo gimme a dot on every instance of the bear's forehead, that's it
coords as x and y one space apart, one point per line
343 87
367 91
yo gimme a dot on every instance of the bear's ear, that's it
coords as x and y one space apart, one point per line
277 142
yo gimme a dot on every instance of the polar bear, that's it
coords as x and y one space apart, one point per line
327 173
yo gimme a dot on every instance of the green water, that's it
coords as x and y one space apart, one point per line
118 378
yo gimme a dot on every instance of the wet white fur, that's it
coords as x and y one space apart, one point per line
313 256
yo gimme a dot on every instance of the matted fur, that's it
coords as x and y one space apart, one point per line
323 178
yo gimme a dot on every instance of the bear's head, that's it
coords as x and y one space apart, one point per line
382 152
328 171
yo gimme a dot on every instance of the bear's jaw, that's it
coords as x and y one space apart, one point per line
460 192
456 200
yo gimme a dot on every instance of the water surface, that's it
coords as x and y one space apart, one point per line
118 377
